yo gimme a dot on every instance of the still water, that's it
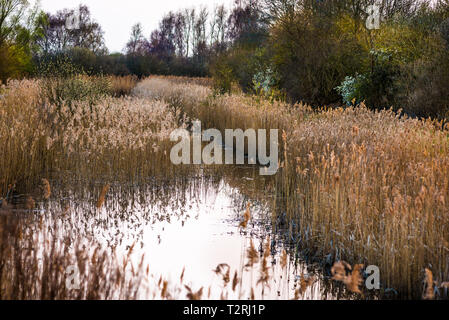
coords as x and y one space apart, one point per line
187 233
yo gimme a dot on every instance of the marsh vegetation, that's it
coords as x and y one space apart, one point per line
89 183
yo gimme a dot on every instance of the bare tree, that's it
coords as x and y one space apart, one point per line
245 21
212 28
218 26
221 17
190 15
137 42
57 37
200 29
179 33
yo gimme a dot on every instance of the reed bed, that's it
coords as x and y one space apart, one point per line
122 86
201 81
176 95
125 137
368 187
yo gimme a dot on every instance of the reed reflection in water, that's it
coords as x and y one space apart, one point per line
185 234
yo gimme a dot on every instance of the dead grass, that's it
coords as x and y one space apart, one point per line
124 137
122 86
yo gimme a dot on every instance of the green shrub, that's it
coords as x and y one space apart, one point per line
313 56
75 88
378 88
223 79
63 84
350 89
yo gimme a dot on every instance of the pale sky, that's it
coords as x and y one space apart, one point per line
116 17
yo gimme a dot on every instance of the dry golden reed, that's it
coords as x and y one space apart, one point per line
102 196
122 86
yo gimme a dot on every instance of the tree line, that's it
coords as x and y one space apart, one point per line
183 44
317 51
329 52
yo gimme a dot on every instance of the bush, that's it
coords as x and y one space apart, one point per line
444 31
425 87
223 79
64 84
311 70
237 66
378 88
15 62
76 88
351 89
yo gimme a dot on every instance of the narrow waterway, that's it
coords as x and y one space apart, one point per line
187 233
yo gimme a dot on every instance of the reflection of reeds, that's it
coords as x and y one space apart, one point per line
46 189
235 281
433 287
351 277
264 275
304 283
252 255
30 203
429 285
191 295
102 196
39 262
246 217
224 270
284 258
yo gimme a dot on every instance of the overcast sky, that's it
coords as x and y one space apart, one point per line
116 17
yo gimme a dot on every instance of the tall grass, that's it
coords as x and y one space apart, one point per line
117 137
367 187
122 86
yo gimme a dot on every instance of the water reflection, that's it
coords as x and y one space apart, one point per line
184 228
